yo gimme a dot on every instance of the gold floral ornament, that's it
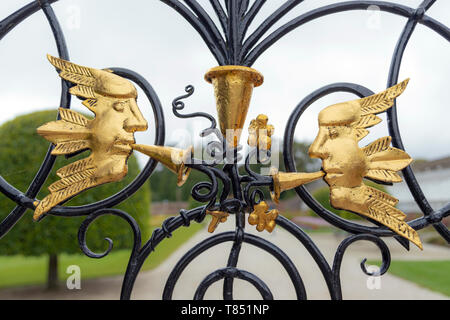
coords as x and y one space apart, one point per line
259 133
262 217
217 217
109 135
346 165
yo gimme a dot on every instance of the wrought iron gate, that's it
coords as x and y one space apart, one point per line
239 194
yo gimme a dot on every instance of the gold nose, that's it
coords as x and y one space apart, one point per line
312 152
134 124
316 150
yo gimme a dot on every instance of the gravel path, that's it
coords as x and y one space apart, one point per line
150 284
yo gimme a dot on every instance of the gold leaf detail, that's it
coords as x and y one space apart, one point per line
361 133
75 167
66 182
70 147
373 193
392 159
384 175
73 117
381 102
367 121
377 146
385 208
63 194
263 218
83 91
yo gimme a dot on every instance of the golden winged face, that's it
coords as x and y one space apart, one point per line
109 136
346 165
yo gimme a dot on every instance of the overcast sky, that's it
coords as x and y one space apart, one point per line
150 38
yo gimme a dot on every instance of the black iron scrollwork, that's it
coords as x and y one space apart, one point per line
240 193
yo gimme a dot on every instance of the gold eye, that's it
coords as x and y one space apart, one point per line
119 106
333 133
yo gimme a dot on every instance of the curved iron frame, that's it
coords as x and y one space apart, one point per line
233 46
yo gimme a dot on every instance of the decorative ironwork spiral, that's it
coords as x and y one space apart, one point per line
234 47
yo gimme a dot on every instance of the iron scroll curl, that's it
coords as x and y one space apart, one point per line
240 193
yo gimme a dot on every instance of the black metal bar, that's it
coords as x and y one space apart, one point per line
226 237
267 24
250 16
10 22
234 51
207 22
233 273
385 254
220 12
203 31
138 257
47 164
315 253
393 126
233 31
315 14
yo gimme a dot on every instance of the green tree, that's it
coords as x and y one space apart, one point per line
22 151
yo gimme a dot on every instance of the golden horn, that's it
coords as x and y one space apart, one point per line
233 87
283 181
173 159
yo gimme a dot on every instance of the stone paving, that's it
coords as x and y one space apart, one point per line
150 284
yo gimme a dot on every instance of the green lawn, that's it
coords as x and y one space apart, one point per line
434 275
21 271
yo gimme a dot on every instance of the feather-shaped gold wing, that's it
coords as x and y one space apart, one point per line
70 134
92 83
82 76
384 161
72 183
381 207
375 104
378 103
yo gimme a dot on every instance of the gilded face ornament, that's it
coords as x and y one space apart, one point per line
109 136
346 165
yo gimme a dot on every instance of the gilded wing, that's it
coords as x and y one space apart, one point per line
381 208
70 134
83 77
384 161
76 177
91 83
375 104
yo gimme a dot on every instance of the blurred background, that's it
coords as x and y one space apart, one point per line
152 39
